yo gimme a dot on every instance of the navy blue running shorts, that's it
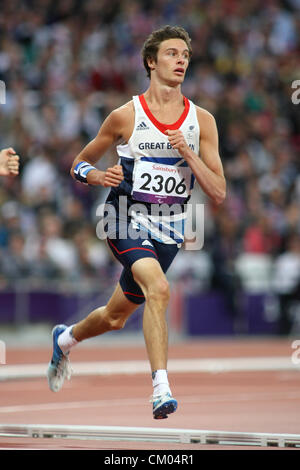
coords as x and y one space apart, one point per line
127 251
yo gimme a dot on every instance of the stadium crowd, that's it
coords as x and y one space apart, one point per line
67 64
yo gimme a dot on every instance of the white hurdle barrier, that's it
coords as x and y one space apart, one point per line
138 434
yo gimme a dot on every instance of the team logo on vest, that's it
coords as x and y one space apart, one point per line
142 126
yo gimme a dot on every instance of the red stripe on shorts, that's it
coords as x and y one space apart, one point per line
135 295
130 249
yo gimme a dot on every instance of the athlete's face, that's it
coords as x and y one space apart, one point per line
172 61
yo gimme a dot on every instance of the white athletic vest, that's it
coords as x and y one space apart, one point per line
159 176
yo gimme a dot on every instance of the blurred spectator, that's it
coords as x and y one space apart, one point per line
195 268
224 249
260 237
60 250
254 264
40 181
43 269
13 265
286 282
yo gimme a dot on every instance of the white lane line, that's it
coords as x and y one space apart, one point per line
217 365
70 405
119 402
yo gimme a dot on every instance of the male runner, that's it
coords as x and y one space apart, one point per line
9 162
158 142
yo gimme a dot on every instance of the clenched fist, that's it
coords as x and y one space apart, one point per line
111 177
177 140
9 162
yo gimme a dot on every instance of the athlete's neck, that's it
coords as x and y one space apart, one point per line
163 95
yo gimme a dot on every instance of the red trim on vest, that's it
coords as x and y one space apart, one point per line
163 127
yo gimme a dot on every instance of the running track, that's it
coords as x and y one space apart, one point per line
222 385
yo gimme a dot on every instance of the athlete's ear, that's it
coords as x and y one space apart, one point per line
151 63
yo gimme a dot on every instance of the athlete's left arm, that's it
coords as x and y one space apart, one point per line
208 169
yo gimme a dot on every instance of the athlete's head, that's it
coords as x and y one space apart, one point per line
153 42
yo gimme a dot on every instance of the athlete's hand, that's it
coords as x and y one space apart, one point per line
177 140
9 162
111 177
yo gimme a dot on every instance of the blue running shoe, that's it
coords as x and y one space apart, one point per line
163 405
59 367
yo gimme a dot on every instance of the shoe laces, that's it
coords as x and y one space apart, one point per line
154 398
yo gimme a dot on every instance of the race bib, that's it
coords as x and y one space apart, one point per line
159 183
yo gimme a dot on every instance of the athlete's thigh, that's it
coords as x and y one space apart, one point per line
119 306
147 272
128 251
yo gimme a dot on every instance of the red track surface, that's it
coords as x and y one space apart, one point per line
229 401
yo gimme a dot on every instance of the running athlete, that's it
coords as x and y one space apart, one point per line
9 162
159 137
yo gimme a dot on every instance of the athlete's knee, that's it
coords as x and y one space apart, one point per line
114 323
115 320
159 290
117 323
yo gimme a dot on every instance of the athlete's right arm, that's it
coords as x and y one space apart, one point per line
109 133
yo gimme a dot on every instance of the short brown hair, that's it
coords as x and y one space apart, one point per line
152 43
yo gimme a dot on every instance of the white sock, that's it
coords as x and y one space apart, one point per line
160 382
66 340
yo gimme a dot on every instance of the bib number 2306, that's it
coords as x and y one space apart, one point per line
159 183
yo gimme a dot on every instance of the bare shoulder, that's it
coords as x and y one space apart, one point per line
205 117
122 121
123 113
